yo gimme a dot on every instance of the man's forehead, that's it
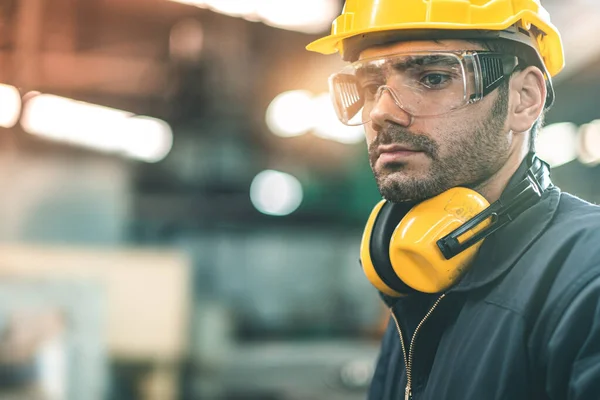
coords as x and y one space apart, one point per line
421 45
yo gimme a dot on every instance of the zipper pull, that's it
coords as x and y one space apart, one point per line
407 393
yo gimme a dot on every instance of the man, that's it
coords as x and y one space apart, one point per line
491 273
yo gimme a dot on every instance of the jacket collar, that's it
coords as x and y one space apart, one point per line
501 250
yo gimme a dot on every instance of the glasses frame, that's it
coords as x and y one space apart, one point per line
490 70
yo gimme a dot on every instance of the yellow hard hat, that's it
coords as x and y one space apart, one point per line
362 18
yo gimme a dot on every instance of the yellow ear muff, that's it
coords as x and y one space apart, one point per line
413 250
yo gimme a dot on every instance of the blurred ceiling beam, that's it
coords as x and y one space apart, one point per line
90 72
50 62
27 46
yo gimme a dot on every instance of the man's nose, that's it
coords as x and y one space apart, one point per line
388 109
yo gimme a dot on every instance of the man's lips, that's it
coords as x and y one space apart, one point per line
396 153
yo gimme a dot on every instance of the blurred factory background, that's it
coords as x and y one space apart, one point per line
181 211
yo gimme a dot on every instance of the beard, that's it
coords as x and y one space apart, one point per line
471 157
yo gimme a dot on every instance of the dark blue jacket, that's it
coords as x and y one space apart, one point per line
522 324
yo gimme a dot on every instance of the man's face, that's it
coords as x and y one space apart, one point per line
418 158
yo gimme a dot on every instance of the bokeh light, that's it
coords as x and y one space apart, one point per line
275 193
97 127
328 126
147 139
557 143
289 114
308 16
10 105
234 8
589 143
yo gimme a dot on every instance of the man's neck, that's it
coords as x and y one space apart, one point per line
492 188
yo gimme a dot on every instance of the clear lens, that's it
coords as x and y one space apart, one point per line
422 84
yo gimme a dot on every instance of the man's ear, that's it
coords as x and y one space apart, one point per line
527 98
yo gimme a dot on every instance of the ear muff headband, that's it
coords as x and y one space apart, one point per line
511 203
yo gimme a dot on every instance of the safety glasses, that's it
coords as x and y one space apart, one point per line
423 84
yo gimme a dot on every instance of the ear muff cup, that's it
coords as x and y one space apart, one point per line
413 251
399 252
374 249
386 222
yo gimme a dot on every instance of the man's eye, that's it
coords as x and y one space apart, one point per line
435 80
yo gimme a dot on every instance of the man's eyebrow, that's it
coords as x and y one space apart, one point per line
421 61
408 62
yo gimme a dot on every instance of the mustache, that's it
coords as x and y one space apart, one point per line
394 134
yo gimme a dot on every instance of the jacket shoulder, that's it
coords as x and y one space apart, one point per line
572 258
558 264
573 241
576 212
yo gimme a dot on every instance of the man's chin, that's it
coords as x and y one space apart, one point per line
404 190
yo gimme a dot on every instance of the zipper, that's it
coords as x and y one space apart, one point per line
408 361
